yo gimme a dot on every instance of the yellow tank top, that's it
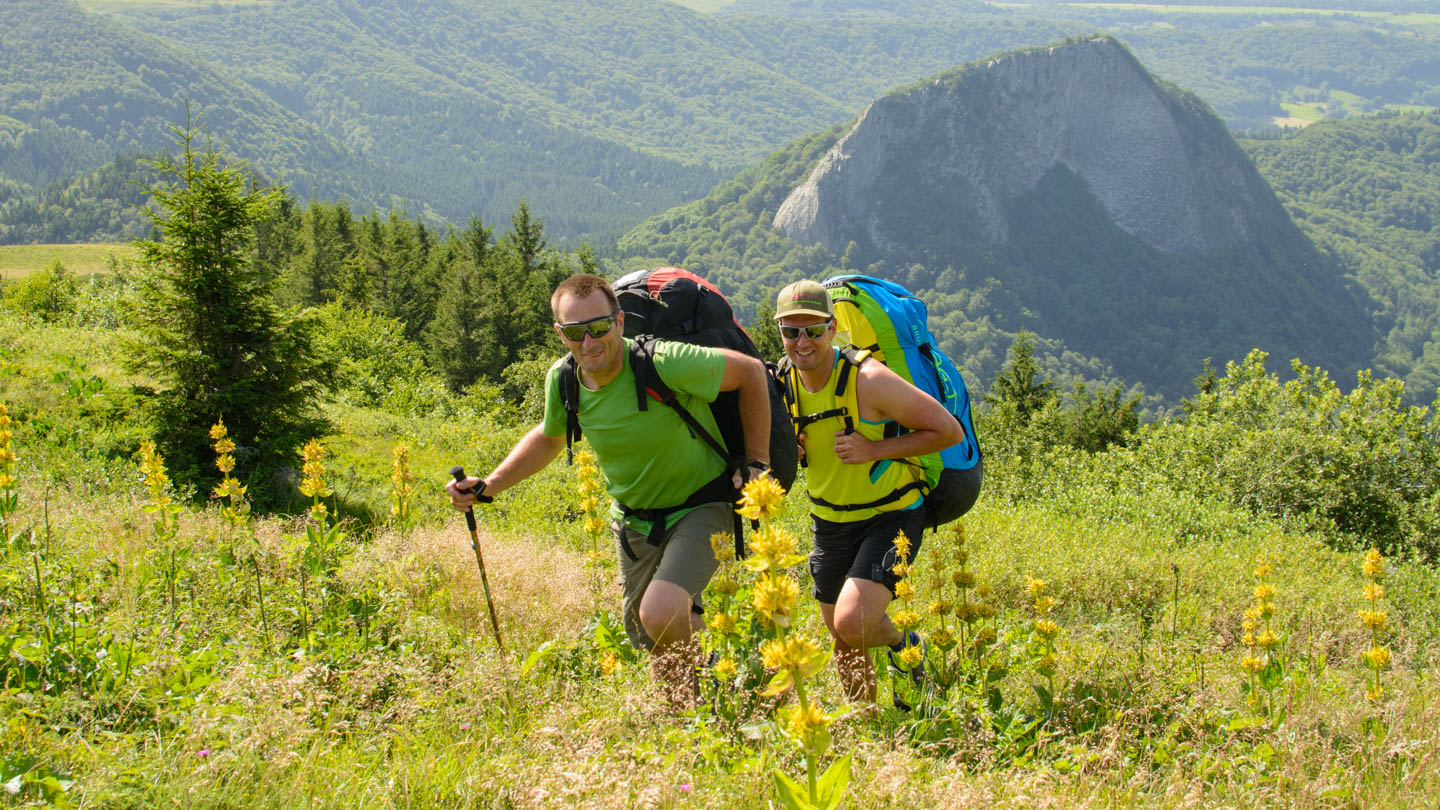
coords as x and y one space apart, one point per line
863 490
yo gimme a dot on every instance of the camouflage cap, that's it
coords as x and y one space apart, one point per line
803 298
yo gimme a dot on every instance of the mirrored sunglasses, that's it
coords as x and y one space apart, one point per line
595 327
814 331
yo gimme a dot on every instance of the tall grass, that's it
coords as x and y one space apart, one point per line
131 681
82 259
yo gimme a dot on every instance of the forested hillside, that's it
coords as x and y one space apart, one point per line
104 205
1368 193
78 89
598 113
1007 214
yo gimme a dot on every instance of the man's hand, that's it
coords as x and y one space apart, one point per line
462 501
852 448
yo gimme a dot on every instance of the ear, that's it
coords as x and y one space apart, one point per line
620 320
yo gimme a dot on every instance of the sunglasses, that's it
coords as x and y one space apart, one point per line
814 331
595 327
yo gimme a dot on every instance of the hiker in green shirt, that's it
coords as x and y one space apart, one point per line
671 490
861 479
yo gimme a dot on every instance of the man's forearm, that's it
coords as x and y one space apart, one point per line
529 456
911 445
755 412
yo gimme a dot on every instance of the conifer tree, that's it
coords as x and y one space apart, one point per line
1020 383
462 337
526 237
208 329
764 332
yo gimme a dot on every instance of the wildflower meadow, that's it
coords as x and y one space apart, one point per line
1093 633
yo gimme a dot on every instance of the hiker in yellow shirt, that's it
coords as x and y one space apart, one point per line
862 481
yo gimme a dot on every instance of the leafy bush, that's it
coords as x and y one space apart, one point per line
1362 468
373 358
49 294
1358 466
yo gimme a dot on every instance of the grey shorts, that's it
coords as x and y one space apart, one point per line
684 559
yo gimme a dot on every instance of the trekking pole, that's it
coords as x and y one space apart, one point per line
459 473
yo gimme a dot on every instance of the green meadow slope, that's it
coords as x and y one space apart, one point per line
259 665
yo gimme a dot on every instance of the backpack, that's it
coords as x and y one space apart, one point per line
673 304
883 320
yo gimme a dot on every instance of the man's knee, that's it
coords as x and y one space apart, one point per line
860 613
665 612
856 629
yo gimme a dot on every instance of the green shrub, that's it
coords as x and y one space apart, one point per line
50 294
1361 468
376 365
1358 466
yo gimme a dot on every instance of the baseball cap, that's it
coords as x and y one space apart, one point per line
803 298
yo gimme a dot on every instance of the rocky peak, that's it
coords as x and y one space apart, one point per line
969 142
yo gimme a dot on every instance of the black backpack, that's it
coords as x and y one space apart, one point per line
673 304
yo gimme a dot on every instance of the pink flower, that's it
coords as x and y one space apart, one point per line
685 786
203 752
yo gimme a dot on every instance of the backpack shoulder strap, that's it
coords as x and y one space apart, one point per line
570 399
785 373
642 363
845 387
649 385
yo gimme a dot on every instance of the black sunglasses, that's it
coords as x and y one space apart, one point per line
814 331
595 327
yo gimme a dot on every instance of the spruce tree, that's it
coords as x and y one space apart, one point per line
209 332
462 338
526 237
1020 383
765 333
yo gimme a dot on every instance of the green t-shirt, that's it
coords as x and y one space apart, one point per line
649 458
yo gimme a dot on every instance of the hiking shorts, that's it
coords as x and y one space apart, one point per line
684 559
863 549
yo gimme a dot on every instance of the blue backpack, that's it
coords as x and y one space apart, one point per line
886 320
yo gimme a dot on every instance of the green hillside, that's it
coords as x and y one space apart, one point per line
1170 624
1368 193
1232 606
79 89
103 205
598 113
1105 303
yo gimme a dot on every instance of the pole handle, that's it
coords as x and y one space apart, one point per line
459 472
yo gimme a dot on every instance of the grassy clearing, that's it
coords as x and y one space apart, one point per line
114 6
704 6
1396 18
1306 112
81 259
398 698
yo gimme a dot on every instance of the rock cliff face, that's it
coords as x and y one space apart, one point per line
959 149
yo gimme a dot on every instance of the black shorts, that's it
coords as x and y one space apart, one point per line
864 549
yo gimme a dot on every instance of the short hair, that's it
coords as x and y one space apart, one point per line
582 285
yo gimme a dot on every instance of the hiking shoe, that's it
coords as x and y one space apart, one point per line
917 674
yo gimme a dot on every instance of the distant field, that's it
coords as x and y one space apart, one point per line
1399 18
704 6
123 5
1308 113
1298 113
84 259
